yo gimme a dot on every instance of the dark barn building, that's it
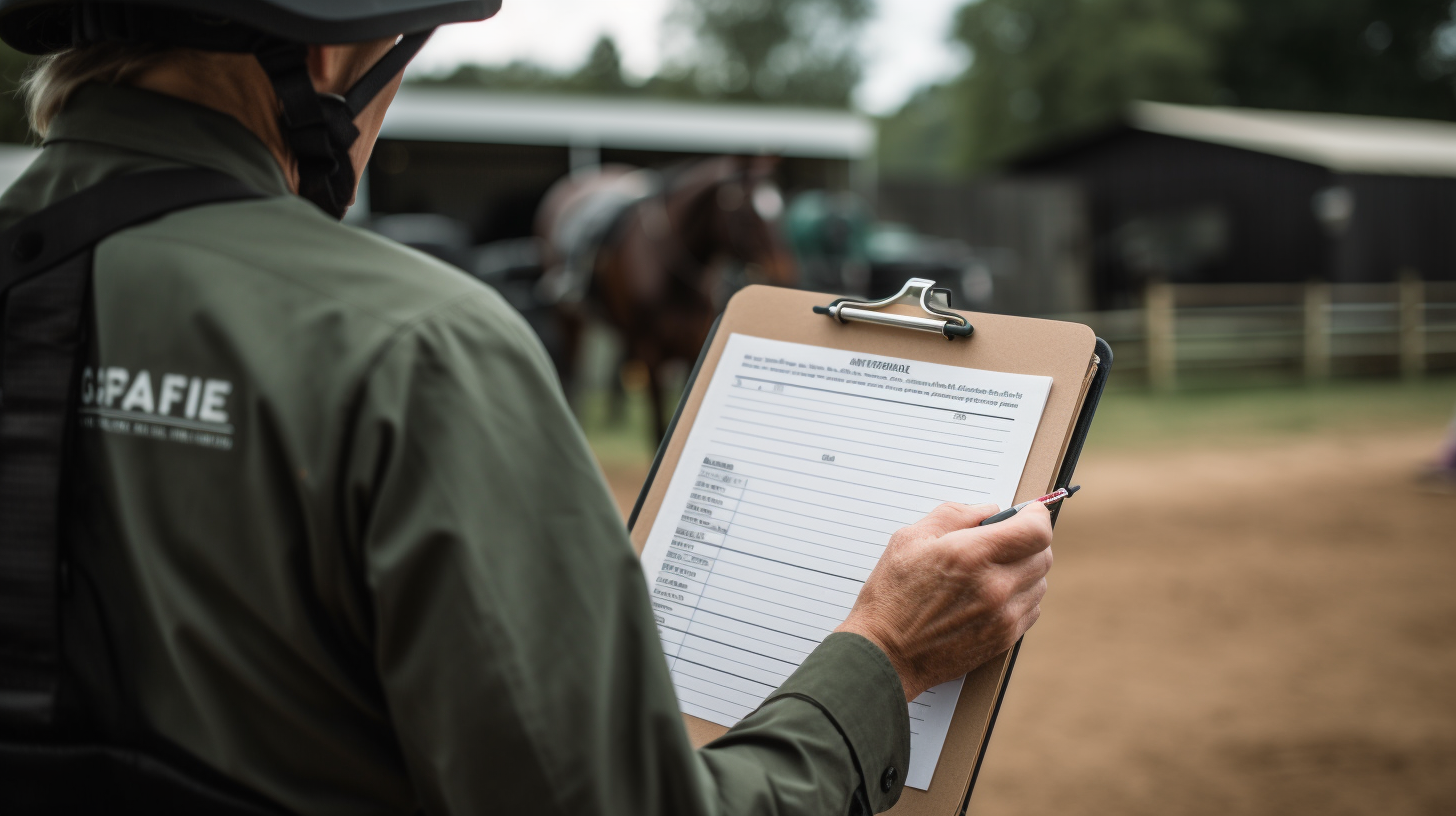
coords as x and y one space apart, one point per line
486 159
1222 195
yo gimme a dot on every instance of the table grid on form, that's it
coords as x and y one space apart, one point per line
799 474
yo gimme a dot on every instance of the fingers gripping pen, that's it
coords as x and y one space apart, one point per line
1050 500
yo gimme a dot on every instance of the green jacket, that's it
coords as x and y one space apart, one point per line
349 543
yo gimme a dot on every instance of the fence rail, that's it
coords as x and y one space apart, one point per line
1315 331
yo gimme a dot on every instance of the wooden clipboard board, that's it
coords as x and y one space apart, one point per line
1070 353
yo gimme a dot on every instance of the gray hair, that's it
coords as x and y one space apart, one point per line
50 82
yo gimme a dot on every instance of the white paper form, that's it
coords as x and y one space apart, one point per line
800 465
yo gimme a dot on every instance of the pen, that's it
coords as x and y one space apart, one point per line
1049 500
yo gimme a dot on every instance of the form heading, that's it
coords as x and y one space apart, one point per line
880 364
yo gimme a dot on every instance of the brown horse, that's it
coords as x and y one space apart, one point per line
657 255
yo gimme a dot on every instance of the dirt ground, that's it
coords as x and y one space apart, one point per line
1280 641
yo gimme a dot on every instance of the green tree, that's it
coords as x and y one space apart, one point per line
601 73
802 52
1045 70
1379 57
516 76
799 52
923 138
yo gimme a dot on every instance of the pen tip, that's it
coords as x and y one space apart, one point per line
1073 489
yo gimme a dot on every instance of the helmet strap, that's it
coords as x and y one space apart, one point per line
319 128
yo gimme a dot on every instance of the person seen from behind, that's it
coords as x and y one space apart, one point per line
368 564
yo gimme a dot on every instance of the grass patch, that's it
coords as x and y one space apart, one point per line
1136 418
1140 419
621 435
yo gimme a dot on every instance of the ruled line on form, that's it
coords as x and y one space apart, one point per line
795 474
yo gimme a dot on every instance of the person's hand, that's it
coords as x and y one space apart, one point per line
948 595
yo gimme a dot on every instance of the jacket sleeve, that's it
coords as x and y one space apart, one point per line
514 638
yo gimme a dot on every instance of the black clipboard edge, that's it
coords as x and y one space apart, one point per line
1064 478
672 426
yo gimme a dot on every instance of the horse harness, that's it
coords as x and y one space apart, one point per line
592 223
587 226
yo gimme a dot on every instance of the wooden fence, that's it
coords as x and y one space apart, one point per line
1316 331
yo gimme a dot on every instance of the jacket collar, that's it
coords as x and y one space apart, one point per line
168 128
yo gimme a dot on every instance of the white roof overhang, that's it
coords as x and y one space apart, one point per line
1341 142
452 115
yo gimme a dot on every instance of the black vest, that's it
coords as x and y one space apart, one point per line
51 760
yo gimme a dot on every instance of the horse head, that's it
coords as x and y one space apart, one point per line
745 207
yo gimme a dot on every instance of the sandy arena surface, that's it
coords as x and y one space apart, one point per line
1282 641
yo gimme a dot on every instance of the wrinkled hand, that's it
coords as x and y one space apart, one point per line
948 595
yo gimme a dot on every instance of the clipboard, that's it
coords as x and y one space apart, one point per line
1076 359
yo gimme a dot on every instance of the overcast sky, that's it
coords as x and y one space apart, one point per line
905 43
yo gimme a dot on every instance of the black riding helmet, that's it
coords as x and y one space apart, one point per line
319 128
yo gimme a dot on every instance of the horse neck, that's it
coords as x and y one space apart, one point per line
692 213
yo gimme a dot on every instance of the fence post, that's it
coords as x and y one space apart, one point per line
1161 335
1316 330
1412 324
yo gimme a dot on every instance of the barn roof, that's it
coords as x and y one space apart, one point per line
455 115
1341 142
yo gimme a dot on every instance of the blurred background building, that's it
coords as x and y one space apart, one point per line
487 158
1189 194
1109 159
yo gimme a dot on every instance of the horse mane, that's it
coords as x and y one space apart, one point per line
693 186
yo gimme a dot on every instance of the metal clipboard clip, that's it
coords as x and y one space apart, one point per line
915 290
